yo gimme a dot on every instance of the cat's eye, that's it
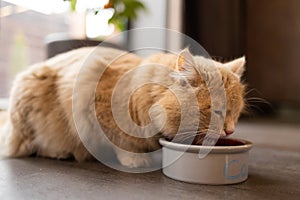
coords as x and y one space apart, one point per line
218 112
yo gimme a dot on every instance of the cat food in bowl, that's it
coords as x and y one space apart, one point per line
224 163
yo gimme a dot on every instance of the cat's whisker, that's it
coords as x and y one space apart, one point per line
185 137
251 90
189 132
257 99
182 139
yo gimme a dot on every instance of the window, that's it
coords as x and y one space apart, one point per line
22 37
25 25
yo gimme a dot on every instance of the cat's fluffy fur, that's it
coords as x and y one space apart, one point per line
40 116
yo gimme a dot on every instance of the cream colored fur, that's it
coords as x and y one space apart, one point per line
40 116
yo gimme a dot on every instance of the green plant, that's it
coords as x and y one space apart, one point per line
124 10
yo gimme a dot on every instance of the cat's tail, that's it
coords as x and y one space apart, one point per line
3 117
4 130
11 144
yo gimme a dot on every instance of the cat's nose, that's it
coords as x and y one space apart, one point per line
229 132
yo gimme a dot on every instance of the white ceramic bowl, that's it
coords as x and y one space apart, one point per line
222 165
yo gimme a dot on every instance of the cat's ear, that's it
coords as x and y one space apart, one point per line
185 63
185 66
237 66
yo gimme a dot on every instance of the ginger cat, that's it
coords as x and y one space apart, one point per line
40 117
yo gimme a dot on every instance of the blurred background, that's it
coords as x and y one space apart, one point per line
266 32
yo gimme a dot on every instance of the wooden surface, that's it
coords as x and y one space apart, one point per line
274 173
217 25
272 49
266 32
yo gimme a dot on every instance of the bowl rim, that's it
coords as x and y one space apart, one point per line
213 149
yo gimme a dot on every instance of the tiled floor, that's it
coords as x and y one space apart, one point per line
274 173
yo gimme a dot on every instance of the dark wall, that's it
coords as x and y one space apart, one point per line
267 32
273 49
217 25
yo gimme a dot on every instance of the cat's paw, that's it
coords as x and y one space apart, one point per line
134 160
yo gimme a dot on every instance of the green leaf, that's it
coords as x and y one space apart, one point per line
119 18
72 4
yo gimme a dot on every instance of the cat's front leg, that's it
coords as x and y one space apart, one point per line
133 160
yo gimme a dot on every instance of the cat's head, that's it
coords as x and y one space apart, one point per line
195 72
